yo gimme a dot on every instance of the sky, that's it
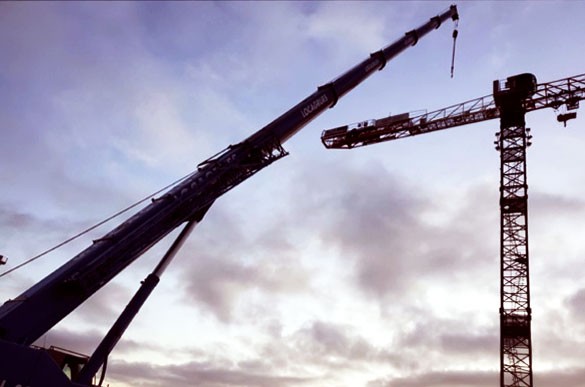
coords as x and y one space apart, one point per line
374 267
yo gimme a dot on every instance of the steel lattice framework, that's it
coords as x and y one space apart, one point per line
564 92
515 312
512 141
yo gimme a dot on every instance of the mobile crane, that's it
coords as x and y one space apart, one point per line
512 98
29 316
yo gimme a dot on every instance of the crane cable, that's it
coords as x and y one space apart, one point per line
455 33
71 239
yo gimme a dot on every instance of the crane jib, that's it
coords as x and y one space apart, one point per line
567 92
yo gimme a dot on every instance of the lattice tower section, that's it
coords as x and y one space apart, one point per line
515 312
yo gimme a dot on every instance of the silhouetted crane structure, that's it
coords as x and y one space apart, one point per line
28 317
512 98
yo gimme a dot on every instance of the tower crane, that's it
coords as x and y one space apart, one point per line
26 318
512 98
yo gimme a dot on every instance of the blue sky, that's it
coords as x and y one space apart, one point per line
371 267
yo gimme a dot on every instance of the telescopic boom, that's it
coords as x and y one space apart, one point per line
26 318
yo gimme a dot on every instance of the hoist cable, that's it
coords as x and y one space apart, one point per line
94 226
455 33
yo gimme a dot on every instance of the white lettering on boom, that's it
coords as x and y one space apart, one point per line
310 108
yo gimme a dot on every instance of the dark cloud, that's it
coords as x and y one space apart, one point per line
378 226
81 342
105 305
199 374
86 341
369 217
319 344
568 377
379 221
337 345
576 305
441 379
467 343
236 256
15 219
555 205
27 234
218 282
325 338
303 357
448 342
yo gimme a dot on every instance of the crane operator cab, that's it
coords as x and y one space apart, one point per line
70 362
510 96
521 86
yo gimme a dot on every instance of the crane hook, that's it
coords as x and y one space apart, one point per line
455 33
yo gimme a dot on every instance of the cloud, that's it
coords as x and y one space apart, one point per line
216 284
19 226
569 377
85 341
451 339
336 345
327 25
441 379
200 374
566 377
396 235
555 205
105 306
466 343
576 305
219 281
15 219
108 101
301 357
81 342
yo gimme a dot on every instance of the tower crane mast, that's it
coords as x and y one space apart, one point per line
511 100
